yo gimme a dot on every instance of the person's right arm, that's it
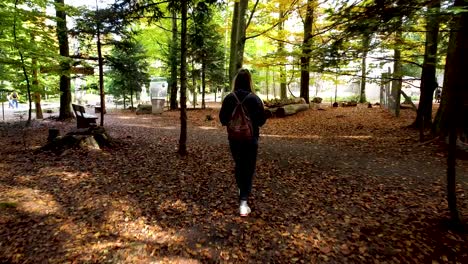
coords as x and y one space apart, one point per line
225 112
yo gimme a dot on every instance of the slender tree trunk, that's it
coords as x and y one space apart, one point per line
397 72
65 84
455 93
101 70
365 44
194 85
428 75
306 50
183 80
274 84
35 83
23 65
173 58
203 83
37 94
283 88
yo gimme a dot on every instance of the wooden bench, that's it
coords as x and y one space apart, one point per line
83 120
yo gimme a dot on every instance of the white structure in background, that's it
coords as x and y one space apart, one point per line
158 94
79 91
144 98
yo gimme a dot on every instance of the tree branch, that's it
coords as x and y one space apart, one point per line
275 25
251 15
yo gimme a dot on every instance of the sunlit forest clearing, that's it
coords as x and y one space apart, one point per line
113 150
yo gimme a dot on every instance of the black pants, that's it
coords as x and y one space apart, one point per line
245 158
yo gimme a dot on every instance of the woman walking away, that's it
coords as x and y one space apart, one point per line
242 112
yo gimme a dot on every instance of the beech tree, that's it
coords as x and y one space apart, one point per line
65 84
306 50
428 75
454 111
238 39
183 79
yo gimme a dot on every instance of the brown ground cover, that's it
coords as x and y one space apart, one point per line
345 185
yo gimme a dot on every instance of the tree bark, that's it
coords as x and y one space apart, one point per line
234 37
65 83
173 62
203 82
283 88
397 73
243 4
455 98
306 50
194 86
365 45
236 58
428 75
37 94
183 80
35 83
101 70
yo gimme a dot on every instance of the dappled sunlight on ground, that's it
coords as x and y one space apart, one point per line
332 186
31 201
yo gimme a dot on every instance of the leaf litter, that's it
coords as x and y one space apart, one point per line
341 185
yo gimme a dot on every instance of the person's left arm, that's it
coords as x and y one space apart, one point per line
258 114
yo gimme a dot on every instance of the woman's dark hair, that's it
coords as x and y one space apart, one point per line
243 81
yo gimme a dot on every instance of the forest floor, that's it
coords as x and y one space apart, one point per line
344 185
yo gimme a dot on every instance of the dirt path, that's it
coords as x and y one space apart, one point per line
335 186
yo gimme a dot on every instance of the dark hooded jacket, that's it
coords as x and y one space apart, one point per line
252 104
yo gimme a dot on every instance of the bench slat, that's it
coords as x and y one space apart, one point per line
83 120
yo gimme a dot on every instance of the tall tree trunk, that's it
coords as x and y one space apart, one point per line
173 62
65 83
183 80
37 94
365 45
236 58
455 93
306 49
35 83
234 37
23 65
194 85
274 84
283 88
397 72
241 34
101 69
203 76
428 75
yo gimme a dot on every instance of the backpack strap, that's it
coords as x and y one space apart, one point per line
241 103
237 98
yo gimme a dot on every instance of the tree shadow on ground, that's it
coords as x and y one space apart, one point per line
139 203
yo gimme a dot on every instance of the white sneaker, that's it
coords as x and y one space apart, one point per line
244 208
